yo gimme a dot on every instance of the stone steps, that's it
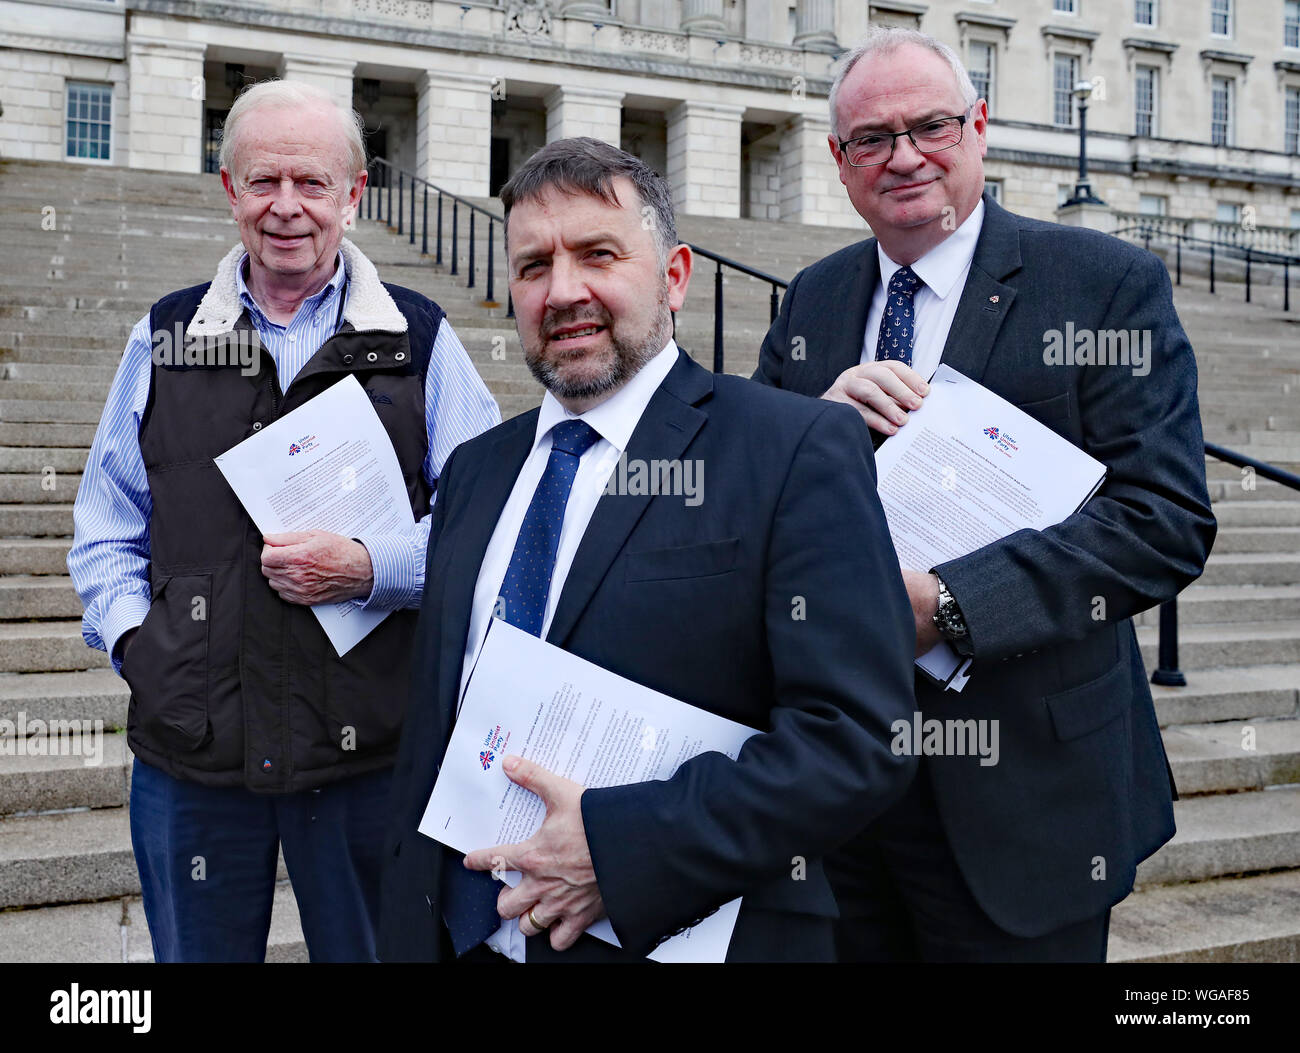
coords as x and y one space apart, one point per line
1235 644
37 647
1242 693
1230 756
116 931
1233 919
92 694
1228 833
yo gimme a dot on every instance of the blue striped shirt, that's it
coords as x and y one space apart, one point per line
109 560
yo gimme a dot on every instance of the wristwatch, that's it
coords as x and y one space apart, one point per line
951 624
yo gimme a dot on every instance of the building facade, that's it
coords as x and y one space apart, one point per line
1194 114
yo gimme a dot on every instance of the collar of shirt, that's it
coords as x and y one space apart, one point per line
943 265
312 303
616 418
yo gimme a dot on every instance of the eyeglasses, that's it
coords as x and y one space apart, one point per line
875 148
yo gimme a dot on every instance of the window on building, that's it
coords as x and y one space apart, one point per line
980 65
1221 104
1144 12
1221 18
90 120
994 187
1291 24
1153 205
1064 77
1292 120
1144 102
1227 212
1068 7
1295 219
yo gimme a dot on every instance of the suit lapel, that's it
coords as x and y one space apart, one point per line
497 478
669 423
851 300
986 300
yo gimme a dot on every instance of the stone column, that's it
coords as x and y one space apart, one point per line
165 83
584 111
704 158
332 75
810 186
453 142
703 16
814 25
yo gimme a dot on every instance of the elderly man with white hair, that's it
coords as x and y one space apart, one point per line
250 734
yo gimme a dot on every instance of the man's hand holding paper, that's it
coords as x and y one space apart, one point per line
315 566
558 889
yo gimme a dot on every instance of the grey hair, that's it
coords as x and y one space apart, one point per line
884 40
289 94
589 166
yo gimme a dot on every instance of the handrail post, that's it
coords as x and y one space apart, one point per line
1168 674
455 232
1286 285
1211 268
1178 242
401 211
424 224
438 251
717 318
510 303
491 263
773 306
1248 274
388 180
412 239
472 214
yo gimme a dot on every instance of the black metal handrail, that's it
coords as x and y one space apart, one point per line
718 317
1167 673
379 188
1215 247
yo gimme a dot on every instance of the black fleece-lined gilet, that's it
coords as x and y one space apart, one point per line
231 685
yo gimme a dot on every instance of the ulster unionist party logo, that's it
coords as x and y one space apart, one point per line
494 743
1004 442
303 445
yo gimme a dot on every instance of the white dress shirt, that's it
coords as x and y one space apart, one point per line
943 270
614 420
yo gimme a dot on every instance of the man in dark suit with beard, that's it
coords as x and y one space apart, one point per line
745 598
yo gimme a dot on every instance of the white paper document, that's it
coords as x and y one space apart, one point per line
328 465
968 469
531 698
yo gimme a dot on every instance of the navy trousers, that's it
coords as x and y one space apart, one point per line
207 861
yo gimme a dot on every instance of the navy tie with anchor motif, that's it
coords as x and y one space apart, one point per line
469 897
898 323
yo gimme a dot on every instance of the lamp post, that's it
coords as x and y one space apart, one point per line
1083 194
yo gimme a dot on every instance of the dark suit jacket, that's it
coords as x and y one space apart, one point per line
776 601
1053 833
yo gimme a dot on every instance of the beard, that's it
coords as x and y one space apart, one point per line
626 357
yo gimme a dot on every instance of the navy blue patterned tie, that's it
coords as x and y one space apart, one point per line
898 323
469 897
